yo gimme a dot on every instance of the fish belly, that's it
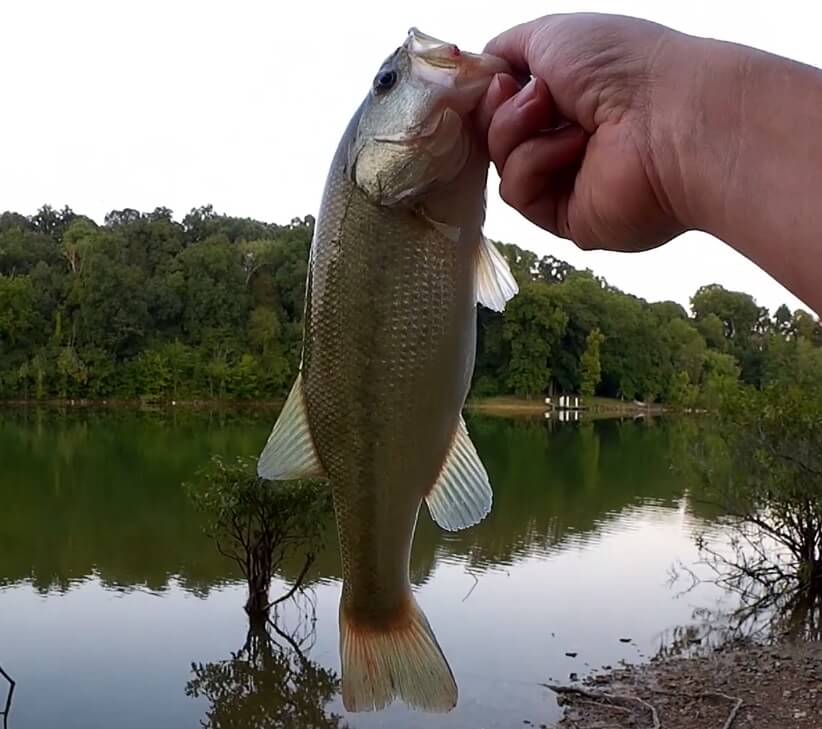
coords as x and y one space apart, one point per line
390 339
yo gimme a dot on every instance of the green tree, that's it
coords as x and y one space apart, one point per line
782 320
212 306
713 330
720 375
590 367
533 326
743 322
683 394
17 314
766 471
258 524
72 372
803 324
687 346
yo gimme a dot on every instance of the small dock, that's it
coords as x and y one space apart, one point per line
568 408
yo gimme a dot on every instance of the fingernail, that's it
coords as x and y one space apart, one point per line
496 84
526 94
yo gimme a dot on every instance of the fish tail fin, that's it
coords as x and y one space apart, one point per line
398 659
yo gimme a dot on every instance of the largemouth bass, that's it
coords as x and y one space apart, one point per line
397 265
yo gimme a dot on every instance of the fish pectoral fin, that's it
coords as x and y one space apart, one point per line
403 660
462 496
452 232
290 452
495 282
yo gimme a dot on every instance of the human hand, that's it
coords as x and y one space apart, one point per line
611 177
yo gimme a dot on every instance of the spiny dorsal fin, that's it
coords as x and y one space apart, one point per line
462 496
289 452
495 282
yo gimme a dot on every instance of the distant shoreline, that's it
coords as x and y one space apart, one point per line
497 406
598 407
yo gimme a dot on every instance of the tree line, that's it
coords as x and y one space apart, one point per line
211 306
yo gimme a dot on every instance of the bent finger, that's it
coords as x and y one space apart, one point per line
538 177
502 88
520 117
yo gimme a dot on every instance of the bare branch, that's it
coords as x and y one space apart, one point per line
309 560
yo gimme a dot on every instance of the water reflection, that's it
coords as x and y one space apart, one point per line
101 492
98 535
269 683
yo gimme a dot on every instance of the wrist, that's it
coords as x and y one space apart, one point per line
742 156
697 123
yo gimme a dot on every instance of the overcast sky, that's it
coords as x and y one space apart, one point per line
240 104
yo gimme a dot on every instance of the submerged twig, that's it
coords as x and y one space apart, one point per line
473 587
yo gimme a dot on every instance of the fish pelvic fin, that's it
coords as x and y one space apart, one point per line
462 495
399 659
495 282
290 452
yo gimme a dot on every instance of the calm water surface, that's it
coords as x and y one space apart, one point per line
115 611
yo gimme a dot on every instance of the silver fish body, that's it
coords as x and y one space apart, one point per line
388 354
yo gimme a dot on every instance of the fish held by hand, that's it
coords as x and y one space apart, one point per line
397 266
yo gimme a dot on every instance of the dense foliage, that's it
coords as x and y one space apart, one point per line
259 526
211 307
759 458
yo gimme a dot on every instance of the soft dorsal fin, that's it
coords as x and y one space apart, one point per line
462 496
495 282
289 452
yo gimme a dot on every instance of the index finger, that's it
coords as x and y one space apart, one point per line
513 46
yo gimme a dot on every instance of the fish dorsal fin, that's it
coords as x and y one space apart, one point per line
289 452
462 496
495 282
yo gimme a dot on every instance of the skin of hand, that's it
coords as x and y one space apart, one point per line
630 133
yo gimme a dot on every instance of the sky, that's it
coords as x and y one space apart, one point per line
241 104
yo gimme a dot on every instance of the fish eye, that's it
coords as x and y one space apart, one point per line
385 80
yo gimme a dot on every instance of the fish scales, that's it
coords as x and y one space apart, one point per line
390 309
397 265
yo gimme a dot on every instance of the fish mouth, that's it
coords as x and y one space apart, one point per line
447 57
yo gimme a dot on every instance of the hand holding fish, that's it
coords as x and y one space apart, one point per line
630 133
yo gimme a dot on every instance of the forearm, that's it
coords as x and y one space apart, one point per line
751 159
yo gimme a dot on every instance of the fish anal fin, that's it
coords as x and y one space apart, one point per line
399 659
462 495
495 282
290 452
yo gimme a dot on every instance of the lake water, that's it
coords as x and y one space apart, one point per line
115 610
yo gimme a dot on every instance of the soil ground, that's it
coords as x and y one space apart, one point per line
771 687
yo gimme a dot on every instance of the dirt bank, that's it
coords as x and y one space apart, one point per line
777 687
